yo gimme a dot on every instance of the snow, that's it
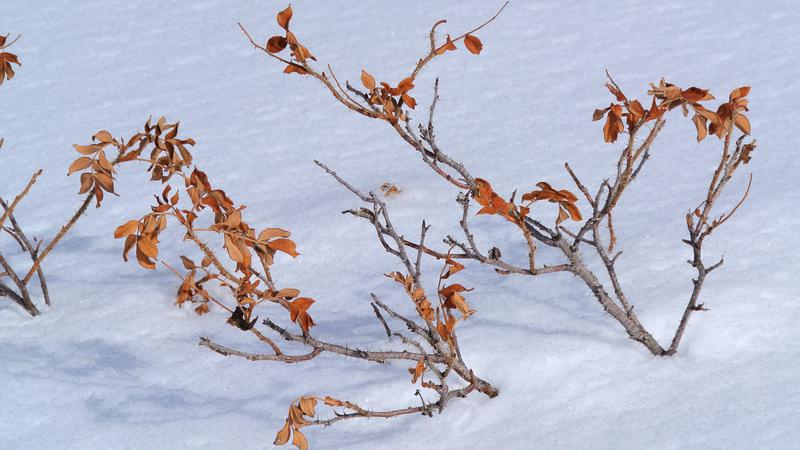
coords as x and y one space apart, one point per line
115 365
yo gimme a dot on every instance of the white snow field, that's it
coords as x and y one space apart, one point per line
115 365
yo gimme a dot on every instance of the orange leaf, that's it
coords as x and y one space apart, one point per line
616 92
742 123
270 233
574 212
126 229
447 46
473 44
284 17
409 101
700 124
143 259
367 80
417 371
694 95
283 435
307 405
285 245
148 246
739 93
129 242
79 164
103 136
294 68
87 149
276 44
299 440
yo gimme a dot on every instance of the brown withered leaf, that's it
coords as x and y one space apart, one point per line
614 124
299 440
694 95
276 44
283 435
284 17
417 371
271 233
307 405
104 181
129 243
330 401
143 259
447 46
599 114
616 92
79 164
6 71
702 128
126 229
298 312
409 101
103 136
367 80
149 247
742 123
739 93
294 68
87 149
188 263
287 293
473 44
233 250
285 245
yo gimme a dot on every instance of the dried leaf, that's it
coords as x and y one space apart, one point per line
148 247
307 405
473 44
79 164
188 263
87 149
294 68
742 123
126 229
270 233
700 124
129 242
233 250
299 440
284 17
367 80
103 136
287 293
739 93
598 114
283 435
447 46
285 245
616 92
694 95
276 44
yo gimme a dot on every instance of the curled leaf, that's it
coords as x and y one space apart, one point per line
276 44
473 44
284 17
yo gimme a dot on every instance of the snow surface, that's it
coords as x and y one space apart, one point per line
115 365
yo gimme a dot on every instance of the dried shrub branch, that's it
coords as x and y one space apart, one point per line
394 104
239 260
